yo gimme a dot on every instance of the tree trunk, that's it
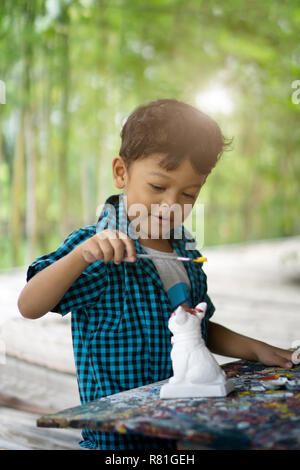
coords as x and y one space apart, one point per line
17 196
85 192
101 164
31 188
1 161
63 167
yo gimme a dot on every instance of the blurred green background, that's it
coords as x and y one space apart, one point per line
73 71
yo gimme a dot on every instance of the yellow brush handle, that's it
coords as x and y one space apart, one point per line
201 259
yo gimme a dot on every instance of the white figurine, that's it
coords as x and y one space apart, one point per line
296 356
196 372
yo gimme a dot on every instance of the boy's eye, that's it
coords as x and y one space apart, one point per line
158 188
189 195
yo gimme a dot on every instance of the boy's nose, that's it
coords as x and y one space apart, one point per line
167 207
165 210
164 207
170 209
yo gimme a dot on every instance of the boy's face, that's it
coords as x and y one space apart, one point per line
156 190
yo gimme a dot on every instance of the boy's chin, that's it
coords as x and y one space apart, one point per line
153 231
158 233
155 235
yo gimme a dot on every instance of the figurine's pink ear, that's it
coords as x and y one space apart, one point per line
200 310
201 307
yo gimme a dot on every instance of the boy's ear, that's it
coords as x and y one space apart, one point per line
119 172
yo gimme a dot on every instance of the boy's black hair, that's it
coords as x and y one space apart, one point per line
175 129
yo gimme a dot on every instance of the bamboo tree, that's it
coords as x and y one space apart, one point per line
31 187
103 103
17 194
63 162
48 52
1 158
29 135
47 161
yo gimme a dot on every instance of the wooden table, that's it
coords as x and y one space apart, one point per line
253 416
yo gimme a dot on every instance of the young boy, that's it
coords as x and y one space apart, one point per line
121 303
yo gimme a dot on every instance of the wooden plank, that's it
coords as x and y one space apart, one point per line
18 431
30 385
248 418
26 391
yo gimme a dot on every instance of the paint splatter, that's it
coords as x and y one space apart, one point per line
248 418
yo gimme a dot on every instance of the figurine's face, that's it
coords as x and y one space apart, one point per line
187 319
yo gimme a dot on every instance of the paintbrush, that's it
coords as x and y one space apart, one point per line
200 259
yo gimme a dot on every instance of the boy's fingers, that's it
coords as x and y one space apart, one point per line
88 256
108 234
113 244
122 235
118 248
131 253
285 359
107 249
92 254
130 248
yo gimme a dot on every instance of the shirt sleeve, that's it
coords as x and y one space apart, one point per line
88 287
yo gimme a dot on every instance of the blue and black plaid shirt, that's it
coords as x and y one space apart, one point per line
119 321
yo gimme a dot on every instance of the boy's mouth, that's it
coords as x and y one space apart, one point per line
162 220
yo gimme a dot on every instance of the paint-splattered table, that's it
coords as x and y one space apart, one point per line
261 413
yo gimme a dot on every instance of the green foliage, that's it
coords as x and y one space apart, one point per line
79 67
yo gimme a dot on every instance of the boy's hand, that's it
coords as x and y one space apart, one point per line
108 245
272 356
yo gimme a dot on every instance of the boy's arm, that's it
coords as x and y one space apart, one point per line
49 286
226 342
44 290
